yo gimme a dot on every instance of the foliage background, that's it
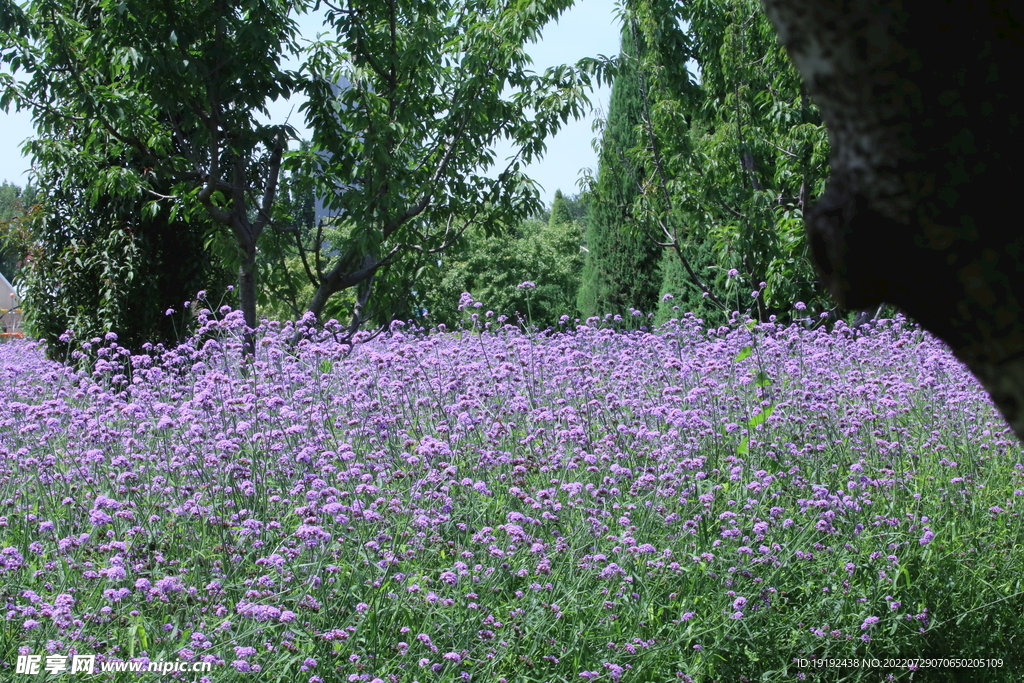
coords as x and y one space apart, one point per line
491 269
711 148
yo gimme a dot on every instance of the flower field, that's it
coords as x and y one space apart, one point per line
744 503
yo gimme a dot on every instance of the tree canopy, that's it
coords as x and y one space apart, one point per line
160 106
155 109
152 142
400 153
730 156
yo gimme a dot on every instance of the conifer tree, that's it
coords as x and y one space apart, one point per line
559 211
622 262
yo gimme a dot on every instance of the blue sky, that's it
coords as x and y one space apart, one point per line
588 29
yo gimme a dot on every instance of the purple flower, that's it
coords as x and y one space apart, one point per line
258 612
868 622
115 573
170 584
372 449
312 535
99 518
614 670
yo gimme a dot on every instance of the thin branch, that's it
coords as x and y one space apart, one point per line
358 276
420 206
733 211
784 151
273 171
50 110
305 263
161 196
205 195
317 247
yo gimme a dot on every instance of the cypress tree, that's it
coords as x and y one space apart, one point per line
559 211
622 262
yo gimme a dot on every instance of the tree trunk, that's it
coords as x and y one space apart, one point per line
247 295
359 316
320 297
864 317
920 105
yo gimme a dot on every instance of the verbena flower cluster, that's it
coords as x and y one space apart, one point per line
686 504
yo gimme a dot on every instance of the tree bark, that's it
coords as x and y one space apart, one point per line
341 277
247 295
920 105
320 297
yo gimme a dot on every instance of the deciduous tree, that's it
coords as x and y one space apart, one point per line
730 155
15 205
401 151
529 275
163 103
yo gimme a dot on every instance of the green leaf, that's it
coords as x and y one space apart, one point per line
744 353
760 417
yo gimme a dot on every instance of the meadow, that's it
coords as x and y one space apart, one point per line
755 502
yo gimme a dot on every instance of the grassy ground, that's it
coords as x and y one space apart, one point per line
748 503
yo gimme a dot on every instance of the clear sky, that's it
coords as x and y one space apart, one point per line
588 29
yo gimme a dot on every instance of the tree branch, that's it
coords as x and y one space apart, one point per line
270 193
